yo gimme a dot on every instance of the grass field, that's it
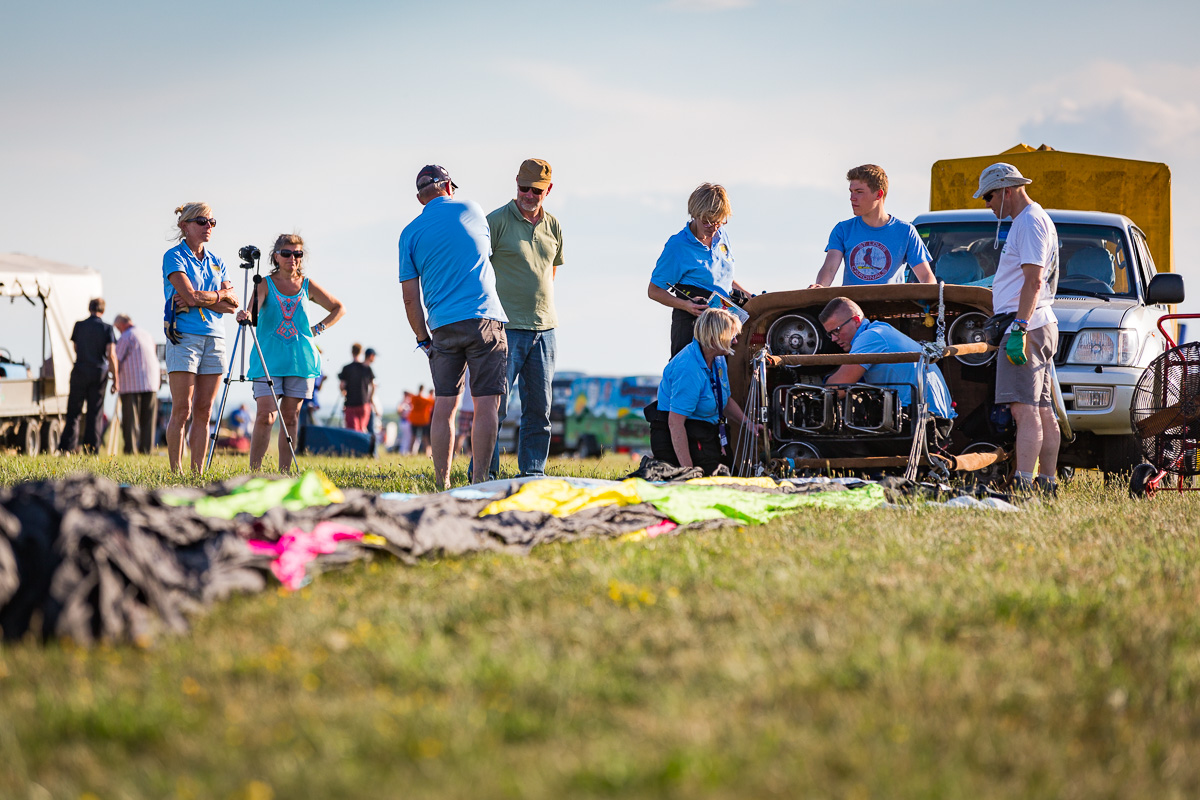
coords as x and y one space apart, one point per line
915 652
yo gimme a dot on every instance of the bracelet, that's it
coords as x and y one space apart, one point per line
318 329
1021 321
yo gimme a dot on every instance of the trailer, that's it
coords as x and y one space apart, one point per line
34 385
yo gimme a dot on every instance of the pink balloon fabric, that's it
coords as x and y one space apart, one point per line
297 547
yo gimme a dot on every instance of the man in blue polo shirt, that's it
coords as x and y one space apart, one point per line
847 325
444 256
873 243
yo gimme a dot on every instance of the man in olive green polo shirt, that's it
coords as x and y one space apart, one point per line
527 251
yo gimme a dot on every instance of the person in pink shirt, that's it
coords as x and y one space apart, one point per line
137 359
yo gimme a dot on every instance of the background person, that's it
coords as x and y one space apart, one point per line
697 260
466 418
357 382
693 399
873 243
197 290
95 356
421 417
1026 281
288 346
140 379
444 257
527 250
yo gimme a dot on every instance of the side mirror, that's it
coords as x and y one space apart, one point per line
1166 288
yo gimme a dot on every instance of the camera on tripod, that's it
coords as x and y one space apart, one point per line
249 254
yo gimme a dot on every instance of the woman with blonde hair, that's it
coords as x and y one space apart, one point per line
688 422
197 293
288 346
697 261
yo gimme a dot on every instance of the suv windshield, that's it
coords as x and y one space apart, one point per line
1093 259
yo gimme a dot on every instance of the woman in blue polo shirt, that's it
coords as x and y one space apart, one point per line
197 295
697 260
688 427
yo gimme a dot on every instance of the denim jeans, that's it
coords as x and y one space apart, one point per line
531 356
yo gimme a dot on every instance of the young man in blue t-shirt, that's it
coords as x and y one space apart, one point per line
873 243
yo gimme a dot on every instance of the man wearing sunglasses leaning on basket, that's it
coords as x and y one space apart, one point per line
1025 283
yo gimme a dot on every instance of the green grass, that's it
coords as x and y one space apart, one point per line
916 652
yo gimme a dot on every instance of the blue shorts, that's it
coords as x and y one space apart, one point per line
197 353
287 386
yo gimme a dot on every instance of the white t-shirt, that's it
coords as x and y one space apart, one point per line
1032 239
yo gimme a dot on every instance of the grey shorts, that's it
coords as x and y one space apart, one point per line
480 344
287 386
1031 383
197 353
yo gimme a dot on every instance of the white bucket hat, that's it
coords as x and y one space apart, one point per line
999 176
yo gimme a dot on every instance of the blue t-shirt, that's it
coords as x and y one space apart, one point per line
880 337
685 260
874 255
448 248
687 385
206 276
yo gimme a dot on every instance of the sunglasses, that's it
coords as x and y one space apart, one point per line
204 222
290 253
712 223
528 189
987 198
834 332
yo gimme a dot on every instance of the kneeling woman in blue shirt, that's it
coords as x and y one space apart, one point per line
693 398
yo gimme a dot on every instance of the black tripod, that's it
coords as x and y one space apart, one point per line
250 261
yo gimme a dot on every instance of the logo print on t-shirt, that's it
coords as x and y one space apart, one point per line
870 261
287 307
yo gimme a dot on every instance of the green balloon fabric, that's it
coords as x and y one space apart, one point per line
684 504
257 496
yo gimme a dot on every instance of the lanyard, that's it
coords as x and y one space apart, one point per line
718 395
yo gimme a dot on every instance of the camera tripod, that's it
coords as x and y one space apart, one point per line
250 261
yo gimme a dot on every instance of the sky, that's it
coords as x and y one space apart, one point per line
314 118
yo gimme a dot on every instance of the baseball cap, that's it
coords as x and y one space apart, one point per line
432 173
999 176
534 172
370 351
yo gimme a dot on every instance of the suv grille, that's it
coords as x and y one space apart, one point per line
1065 340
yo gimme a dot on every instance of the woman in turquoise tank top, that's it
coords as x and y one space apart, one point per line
288 345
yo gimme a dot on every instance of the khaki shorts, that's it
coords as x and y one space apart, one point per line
480 344
1031 383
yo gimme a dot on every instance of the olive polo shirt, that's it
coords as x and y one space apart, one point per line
524 257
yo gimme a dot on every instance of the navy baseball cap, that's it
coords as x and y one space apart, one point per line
432 173
370 351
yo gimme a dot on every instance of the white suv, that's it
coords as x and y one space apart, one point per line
1108 303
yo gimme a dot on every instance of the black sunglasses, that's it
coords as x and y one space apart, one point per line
538 192
289 253
204 221
987 198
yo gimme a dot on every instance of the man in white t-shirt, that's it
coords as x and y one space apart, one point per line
1025 282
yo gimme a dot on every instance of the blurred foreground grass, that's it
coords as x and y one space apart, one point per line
916 652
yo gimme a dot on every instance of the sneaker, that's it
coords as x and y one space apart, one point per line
1021 488
1046 487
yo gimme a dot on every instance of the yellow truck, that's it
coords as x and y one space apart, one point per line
1116 278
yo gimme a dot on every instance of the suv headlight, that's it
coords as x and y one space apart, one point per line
1116 348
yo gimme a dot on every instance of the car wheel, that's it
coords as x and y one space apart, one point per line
589 447
31 437
51 433
1139 481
